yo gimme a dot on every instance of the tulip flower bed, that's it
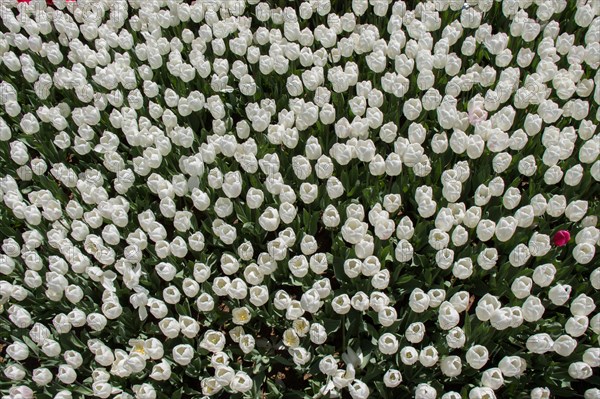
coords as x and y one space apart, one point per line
317 199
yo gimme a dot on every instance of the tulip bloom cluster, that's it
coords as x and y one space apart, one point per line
320 199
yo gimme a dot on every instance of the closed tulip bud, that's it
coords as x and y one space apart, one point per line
444 258
241 382
19 316
451 366
543 275
574 175
564 345
448 317
463 268
592 357
438 239
41 376
436 297
171 295
324 167
387 316
460 236
505 228
485 229
169 327
425 391
584 253
190 287
189 327
18 153
415 332
511 198
501 162
144 391
525 216
540 343
583 305
532 309
269 220
576 326
576 210
512 366
96 321
595 278
384 228
460 301
419 301
17 351
405 229
183 354
358 390
360 301
539 204
556 205
161 371
559 294
341 304
318 334
592 393
482 393
73 359
472 217
353 230
328 365
201 272
51 348
521 287
392 202
404 251
66 374
595 323
456 338
540 393
580 370
553 175
308 245
308 192
14 372
477 356
77 318
502 318
331 217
